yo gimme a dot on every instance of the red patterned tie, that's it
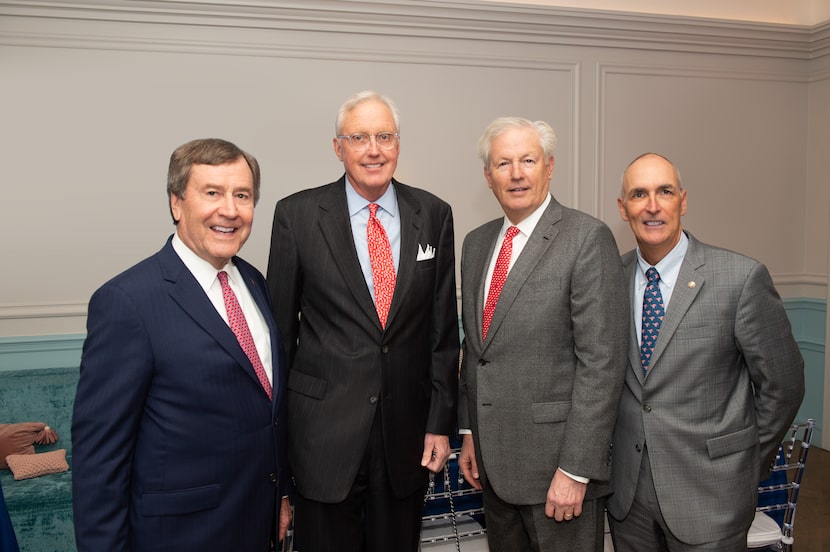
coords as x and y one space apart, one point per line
497 281
237 322
383 266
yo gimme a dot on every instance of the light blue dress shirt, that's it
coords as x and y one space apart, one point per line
389 217
669 270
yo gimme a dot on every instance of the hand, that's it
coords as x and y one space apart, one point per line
565 495
436 452
285 518
467 461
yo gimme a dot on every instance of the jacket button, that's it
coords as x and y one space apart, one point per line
373 399
482 362
638 448
273 478
647 408
384 349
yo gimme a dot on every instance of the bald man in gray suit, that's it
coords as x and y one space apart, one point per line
539 383
704 409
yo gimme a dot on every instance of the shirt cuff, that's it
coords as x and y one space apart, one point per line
577 478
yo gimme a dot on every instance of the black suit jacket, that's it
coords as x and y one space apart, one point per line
175 443
342 365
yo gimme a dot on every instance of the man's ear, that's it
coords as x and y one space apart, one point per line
621 207
176 207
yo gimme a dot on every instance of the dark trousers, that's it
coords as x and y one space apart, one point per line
370 519
518 528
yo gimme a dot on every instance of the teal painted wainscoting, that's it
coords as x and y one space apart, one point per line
809 320
808 317
50 351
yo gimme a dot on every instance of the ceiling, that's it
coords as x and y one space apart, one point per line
788 12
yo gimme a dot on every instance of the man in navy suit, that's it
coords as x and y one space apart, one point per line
177 445
371 391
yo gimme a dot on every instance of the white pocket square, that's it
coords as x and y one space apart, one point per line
425 253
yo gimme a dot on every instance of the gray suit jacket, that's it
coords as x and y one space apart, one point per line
541 392
725 381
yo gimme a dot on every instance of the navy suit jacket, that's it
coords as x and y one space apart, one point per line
175 444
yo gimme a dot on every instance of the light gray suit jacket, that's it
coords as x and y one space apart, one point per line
725 381
541 392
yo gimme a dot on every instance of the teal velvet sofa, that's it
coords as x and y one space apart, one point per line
41 508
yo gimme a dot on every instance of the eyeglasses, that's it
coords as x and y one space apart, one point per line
360 141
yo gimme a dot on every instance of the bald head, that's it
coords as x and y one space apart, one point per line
652 202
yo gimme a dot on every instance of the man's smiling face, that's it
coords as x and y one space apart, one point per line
518 172
370 171
652 203
216 211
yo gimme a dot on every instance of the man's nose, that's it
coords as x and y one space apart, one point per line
228 207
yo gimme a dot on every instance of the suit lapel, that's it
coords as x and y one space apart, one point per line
480 252
682 297
260 298
337 231
536 247
190 296
409 210
630 268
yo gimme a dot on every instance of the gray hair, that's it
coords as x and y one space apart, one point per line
547 137
359 98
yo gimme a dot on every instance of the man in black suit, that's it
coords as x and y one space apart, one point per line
372 352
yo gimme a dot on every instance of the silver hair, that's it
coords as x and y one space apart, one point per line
547 137
365 96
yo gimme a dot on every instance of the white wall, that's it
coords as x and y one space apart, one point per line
95 96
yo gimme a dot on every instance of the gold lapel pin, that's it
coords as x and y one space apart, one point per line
691 285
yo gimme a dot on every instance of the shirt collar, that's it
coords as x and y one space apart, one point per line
527 225
204 272
668 266
356 202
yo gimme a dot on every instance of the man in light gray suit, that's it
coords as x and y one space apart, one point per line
544 353
705 406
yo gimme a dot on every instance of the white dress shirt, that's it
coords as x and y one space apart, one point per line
519 240
206 275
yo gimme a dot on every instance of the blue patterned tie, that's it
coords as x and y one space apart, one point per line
653 313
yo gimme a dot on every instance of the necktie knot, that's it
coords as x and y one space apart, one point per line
223 278
652 275
511 233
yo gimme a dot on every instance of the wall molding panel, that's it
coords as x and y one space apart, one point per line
104 89
421 19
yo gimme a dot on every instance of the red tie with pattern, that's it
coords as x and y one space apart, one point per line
383 266
497 281
237 322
